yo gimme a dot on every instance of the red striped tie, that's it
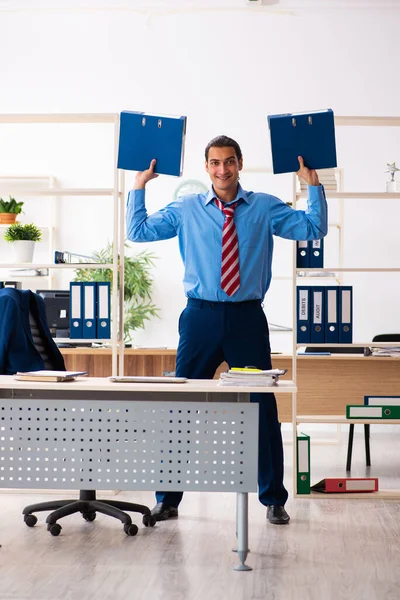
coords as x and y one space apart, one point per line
230 277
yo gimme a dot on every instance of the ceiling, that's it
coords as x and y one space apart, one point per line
297 5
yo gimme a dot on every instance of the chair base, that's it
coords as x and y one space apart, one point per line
88 505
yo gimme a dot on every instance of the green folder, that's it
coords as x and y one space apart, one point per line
360 411
303 463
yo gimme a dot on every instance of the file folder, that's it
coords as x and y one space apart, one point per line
360 411
316 252
303 314
317 335
89 295
303 463
75 311
143 137
331 315
346 484
103 310
382 400
307 134
345 314
302 255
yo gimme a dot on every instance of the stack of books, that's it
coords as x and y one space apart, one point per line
327 178
251 377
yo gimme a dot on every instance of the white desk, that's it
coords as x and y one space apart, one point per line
94 434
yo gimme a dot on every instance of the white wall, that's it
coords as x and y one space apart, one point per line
225 70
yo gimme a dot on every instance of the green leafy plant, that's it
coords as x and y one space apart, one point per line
11 206
17 232
138 307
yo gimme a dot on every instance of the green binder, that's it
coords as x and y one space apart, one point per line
303 463
360 411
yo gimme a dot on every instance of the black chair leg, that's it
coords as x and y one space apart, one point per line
367 445
350 447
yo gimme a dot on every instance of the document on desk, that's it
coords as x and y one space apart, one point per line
251 377
46 375
145 379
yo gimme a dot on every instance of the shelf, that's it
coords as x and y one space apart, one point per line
61 118
6 225
31 266
381 494
351 270
349 195
62 192
339 419
368 344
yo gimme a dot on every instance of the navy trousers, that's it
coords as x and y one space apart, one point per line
237 332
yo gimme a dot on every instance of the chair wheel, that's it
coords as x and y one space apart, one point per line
131 529
54 528
89 516
30 520
149 520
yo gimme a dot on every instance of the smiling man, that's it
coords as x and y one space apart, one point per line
226 244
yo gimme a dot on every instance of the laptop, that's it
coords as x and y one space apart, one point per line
145 379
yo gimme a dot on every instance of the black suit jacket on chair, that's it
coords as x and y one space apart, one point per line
17 349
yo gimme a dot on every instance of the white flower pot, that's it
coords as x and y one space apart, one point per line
23 251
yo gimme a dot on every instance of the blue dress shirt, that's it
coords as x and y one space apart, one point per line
197 222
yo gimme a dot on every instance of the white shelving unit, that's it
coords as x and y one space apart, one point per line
116 195
340 420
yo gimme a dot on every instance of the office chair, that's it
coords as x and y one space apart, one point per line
22 311
382 337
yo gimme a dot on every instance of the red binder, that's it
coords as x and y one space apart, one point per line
332 485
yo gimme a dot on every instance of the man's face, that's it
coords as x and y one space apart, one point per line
223 168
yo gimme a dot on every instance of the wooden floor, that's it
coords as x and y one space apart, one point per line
332 549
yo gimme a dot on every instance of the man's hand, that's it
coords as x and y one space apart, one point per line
309 175
142 177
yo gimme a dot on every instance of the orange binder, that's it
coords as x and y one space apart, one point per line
332 485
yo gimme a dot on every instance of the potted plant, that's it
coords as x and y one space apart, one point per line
137 286
9 209
23 238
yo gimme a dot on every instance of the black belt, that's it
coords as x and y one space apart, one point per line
228 304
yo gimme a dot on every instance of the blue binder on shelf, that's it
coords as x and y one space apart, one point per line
331 315
302 255
307 134
303 315
89 309
317 315
345 314
316 252
103 325
143 137
75 310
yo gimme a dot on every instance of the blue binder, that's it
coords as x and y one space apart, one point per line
303 314
89 304
345 314
143 137
317 315
103 310
310 135
75 311
302 255
332 315
316 251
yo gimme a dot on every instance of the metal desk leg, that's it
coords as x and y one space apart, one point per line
242 508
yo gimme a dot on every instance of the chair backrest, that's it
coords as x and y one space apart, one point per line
386 337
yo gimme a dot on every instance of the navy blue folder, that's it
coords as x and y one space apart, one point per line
303 314
345 314
143 137
316 251
310 135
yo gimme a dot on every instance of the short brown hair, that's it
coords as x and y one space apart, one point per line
223 141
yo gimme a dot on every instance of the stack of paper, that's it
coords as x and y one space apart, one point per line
46 375
327 178
386 351
251 377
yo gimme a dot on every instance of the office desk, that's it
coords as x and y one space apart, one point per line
325 383
93 434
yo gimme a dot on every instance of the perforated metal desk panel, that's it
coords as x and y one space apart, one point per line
95 434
